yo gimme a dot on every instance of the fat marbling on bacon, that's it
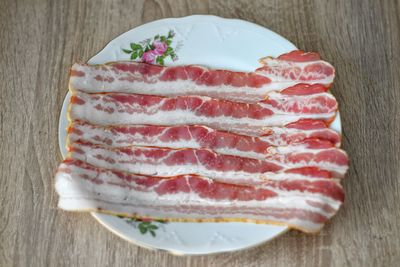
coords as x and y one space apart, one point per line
242 118
300 204
309 153
277 74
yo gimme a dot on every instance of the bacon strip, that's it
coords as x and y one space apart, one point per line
299 131
193 136
299 67
241 118
225 168
142 78
299 204
314 153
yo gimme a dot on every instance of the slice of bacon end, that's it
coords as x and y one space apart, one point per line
298 66
300 56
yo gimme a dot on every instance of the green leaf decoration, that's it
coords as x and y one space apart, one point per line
135 46
162 38
160 60
142 229
152 227
144 226
168 42
127 51
156 37
141 53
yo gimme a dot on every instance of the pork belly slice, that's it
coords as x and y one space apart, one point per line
247 119
297 66
195 136
168 162
141 78
300 131
299 204
309 153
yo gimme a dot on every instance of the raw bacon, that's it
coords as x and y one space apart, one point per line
300 131
141 78
298 67
299 204
192 136
225 168
189 143
241 118
176 137
310 152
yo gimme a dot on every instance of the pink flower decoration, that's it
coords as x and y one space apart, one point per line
159 47
149 56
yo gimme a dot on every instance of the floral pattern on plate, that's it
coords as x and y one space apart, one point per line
154 50
144 225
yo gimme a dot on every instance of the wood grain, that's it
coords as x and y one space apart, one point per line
39 40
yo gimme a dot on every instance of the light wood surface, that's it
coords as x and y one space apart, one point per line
39 40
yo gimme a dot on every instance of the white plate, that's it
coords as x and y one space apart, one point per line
215 42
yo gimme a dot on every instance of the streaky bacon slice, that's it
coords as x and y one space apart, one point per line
241 118
142 78
300 56
190 136
182 136
299 204
310 152
225 168
297 67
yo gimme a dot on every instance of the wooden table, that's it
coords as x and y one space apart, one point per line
39 40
